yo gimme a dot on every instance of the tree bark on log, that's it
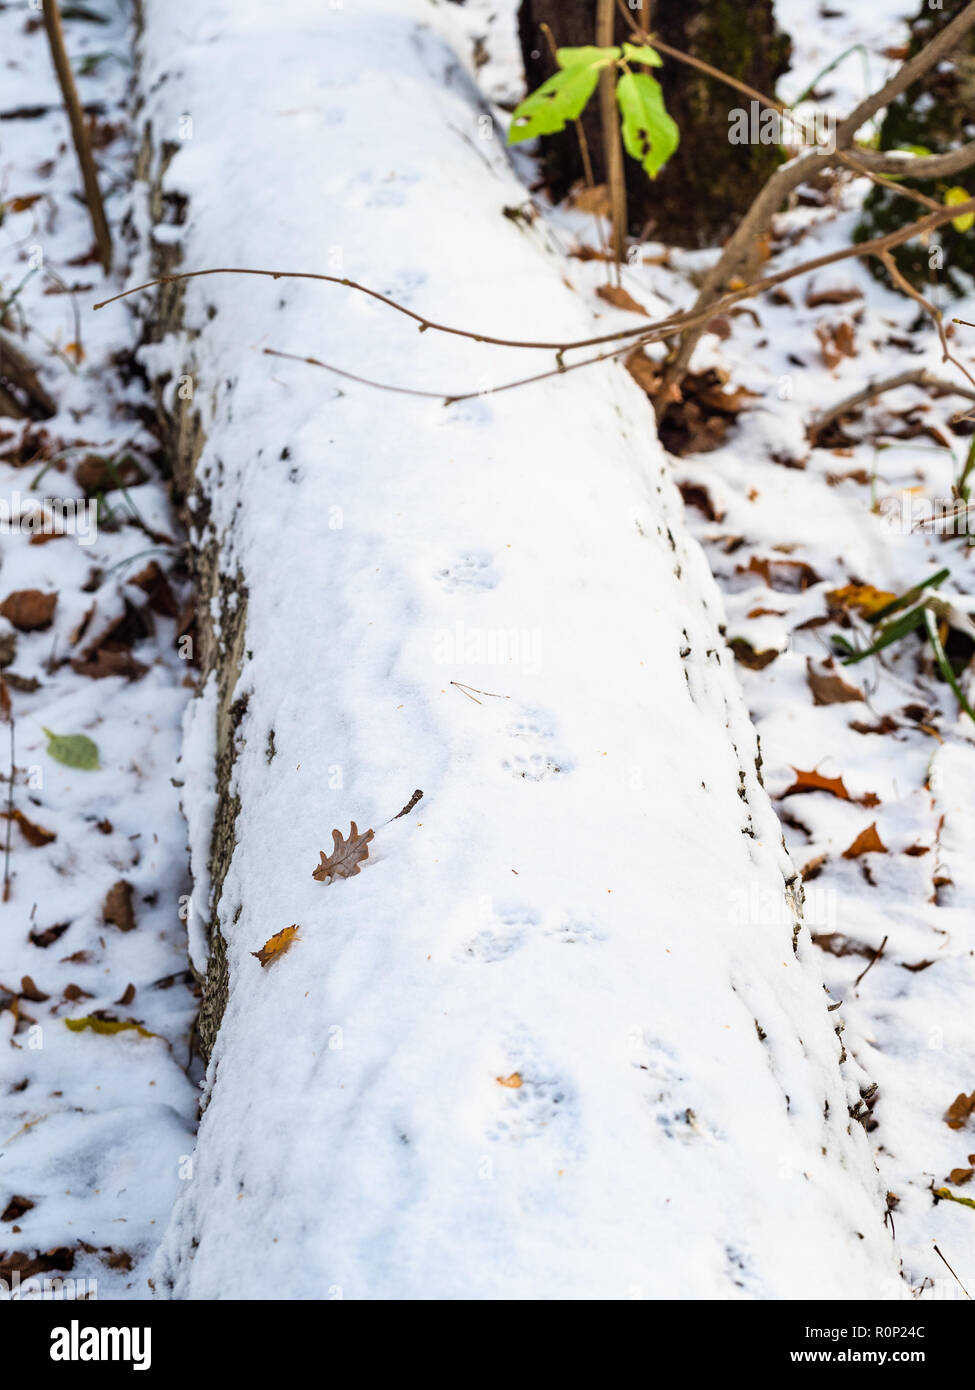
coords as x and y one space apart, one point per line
570 996
709 183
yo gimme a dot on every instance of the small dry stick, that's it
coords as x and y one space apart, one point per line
876 956
424 323
7 716
466 690
933 312
952 1273
79 133
408 807
917 376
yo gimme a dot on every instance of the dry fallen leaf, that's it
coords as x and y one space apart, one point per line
960 1176
28 990
154 584
29 610
886 725
276 945
814 298
16 1208
867 842
620 298
48 937
697 495
644 371
35 835
828 687
595 199
815 782
346 857
748 656
959 1110
836 341
864 598
97 474
513 1082
110 661
788 576
117 908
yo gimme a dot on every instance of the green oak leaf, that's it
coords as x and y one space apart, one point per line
73 750
649 133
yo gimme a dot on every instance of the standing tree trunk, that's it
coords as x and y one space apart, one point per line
704 189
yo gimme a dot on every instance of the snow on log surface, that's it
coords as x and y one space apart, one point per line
560 1036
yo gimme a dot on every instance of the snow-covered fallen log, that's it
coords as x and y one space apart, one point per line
561 1036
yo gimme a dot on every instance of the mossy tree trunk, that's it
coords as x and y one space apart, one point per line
704 189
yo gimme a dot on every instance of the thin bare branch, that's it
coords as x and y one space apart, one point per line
933 312
916 376
424 323
873 961
677 323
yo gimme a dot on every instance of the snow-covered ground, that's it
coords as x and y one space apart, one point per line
92 1124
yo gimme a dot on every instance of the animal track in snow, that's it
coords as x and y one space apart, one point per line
667 1096
531 1109
532 757
474 570
499 935
573 932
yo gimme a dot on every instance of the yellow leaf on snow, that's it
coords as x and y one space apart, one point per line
107 1025
862 597
513 1082
276 945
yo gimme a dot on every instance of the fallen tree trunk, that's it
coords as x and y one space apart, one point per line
563 1034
